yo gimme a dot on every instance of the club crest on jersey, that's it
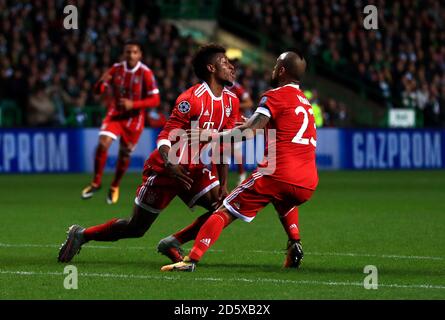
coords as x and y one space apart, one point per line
184 106
228 111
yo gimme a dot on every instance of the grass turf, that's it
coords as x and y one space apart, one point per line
393 220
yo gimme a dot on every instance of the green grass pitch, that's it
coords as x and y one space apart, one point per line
392 220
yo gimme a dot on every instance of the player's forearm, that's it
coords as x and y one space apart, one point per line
151 102
164 149
100 87
248 129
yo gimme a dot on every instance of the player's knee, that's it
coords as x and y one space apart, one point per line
210 200
208 204
126 150
121 224
104 144
136 232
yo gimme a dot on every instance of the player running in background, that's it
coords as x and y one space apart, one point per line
133 88
213 107
295 177
246 104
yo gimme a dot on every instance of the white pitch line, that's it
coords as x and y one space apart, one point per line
341 254
389 256
173 278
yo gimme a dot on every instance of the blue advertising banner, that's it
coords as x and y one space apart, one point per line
62 150
146 144
328 149
393 149
72 150
40 151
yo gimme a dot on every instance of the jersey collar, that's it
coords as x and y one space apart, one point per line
293 85
211 93
132 70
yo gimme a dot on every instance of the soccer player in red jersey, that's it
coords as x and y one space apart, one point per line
208 105
171 245
295 177
245 104
133 89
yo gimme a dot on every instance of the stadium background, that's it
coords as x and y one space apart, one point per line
381 94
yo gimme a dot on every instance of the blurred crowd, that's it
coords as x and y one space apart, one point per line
402 63
49 70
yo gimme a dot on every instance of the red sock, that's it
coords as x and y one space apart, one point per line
101 232
191 231
240 168
208 234
290 223
121 168
99 164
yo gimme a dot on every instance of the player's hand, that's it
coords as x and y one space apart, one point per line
105 77
179 172
243 121
127 104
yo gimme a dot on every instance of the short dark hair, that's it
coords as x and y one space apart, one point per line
203 57
133 42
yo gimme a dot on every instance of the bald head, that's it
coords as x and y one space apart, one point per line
290 67
293 64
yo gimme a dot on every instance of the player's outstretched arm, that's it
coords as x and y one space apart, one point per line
255 122
151 101
248 130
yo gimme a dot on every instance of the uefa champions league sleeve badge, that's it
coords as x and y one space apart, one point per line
184 106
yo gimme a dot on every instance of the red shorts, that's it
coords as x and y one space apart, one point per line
258 190
157 190
129 129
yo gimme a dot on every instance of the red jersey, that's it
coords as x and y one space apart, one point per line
241 93
292 117
137 84
197 104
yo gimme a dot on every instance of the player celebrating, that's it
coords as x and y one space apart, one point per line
294 179
133 89
212 106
